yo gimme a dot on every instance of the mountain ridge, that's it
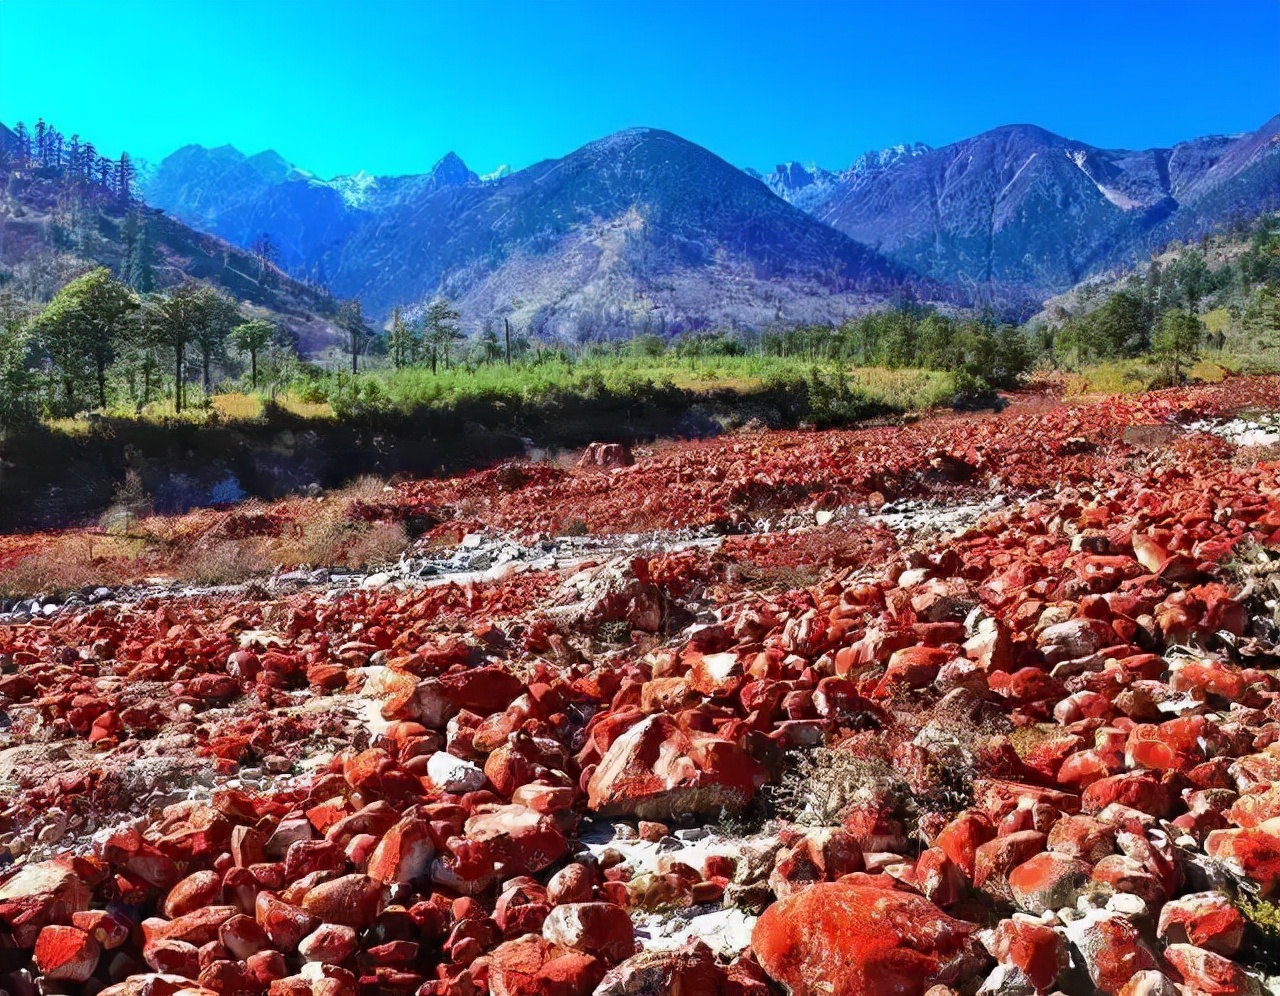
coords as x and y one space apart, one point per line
1004 218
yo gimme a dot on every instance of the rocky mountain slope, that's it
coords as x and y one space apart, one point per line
645 230
808 186
52 230
1019 213
639 231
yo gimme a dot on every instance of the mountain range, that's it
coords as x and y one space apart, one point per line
645 231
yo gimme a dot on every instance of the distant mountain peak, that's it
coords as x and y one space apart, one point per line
451 171
808 186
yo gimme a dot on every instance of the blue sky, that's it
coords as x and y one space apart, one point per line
389 87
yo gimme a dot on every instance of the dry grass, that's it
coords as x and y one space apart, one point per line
238 407
213 548
303 408
71 562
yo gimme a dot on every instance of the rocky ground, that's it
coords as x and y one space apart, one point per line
986 703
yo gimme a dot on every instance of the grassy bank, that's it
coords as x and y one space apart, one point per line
830 393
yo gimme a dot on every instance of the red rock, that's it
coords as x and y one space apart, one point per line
600 929
1149 983
56 879
655 770
1206 972
716 675
351 900
193 892
688 970
1255 806
1034 948
197 927
1251 854
573 883
524 841
242 936
913 667
1208 920
1123 874
532 966
330 943
1083 837
404 854
994 860
963 836
1112 948
283 924
110 930
172 957
939 879
1074 639
305 857
67 954
522 908
1138 790
835 939
1047 881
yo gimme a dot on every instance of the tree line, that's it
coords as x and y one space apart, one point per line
101 342
45 150
1161 312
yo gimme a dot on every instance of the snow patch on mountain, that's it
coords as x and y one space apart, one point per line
353 189
1119 199
808 186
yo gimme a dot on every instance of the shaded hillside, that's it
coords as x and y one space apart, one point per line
639 231
53 227
1019 213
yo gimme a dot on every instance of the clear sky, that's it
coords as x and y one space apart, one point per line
389 87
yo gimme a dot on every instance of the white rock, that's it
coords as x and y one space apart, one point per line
453 774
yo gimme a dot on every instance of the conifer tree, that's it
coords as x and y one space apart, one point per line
125 173
402 340
351 320
252 337
82 328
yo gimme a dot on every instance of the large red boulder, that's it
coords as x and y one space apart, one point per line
655 771
1208 920
601 929
835 939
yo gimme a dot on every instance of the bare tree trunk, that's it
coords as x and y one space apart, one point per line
506 330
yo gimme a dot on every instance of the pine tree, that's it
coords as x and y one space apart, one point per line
251 338
103 171
1175 340
264 249
351 320
136 269
42 142
489 342
183 318
402 340
125 172
440 329
24 145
